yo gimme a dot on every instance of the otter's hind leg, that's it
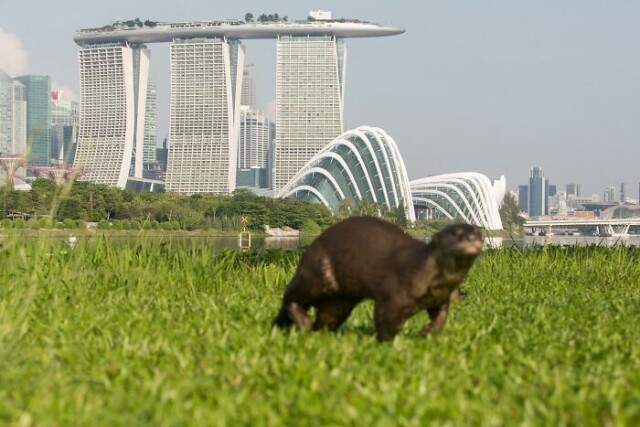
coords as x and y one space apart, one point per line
332 312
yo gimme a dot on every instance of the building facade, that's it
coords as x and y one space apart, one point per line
37 93
523 198
113 86
6 113
248 96
310 74
204 115
64 128
255 139
538 188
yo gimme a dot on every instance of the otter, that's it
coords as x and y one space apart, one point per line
369 258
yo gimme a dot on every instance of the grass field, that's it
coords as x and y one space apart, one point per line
156 334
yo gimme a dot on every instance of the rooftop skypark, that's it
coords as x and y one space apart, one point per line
137 31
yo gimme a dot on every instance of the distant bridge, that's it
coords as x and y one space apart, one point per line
605 227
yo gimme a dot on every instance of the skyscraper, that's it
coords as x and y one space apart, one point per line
207 63
609 194
150 127
37 91
523 198
6 112
113 87
623 192
310 73
248 96
538 188
255 135
19 141
64 127
204 115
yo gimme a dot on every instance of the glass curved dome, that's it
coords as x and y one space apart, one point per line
469 196
621 211
364 164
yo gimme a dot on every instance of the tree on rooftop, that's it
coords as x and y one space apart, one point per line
248 17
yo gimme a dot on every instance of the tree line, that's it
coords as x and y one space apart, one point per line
82 201
71 205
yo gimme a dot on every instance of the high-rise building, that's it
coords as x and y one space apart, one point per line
623 192
248 96
523 198
6 113
204 115
253 147
149 160
538 188
609 194
113 91
19 142
37 90
207 63
64 127
255 139
310 74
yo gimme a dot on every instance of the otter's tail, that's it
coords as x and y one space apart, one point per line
282 320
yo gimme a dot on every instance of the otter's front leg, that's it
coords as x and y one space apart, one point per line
438 316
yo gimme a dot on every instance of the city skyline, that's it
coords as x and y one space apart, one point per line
487 88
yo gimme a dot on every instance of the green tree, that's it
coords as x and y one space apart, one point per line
345 209
509 213
248 17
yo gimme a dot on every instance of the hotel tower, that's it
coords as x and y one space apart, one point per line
207 62
206 78
310 73
113 90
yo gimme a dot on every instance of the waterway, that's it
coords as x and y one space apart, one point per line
290 243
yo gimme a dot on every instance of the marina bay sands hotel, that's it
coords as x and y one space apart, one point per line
207 61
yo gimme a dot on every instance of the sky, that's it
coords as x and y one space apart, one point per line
494 87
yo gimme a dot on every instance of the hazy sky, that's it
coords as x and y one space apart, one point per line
489 86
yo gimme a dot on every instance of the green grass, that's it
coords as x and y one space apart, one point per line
150 334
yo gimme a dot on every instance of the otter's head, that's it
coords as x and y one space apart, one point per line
459 241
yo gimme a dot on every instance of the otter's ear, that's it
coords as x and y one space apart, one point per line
435 237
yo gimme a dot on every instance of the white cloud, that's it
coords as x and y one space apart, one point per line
13 58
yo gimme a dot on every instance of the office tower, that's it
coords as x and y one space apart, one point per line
571 189
538 188
149 160
623 192
64 111
523 198
6 113
253 148
19 141
37 91
609 194
310 72
113 91
204 115
64 127
248 96
254 142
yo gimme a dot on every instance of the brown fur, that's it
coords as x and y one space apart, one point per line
365 257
